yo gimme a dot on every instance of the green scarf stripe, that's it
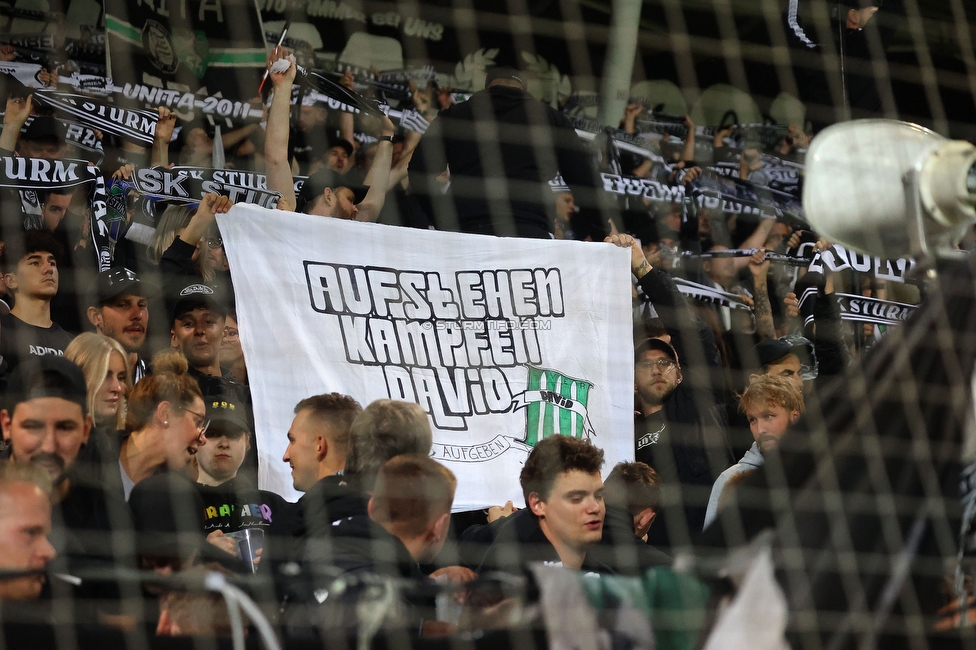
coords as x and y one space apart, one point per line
235 56
123 29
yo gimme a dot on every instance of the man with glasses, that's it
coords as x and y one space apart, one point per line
683 439
120 311
231 352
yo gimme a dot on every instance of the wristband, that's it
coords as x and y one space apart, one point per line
385 138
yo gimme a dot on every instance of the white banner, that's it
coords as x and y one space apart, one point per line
502 341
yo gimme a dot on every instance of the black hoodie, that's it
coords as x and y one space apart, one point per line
358 545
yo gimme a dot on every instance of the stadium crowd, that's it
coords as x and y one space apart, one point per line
126 410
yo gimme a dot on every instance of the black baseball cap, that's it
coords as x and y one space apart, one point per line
224 413
48 376
117 281
655 344
193 296
772 350
504 72
342 142
44 128
317 183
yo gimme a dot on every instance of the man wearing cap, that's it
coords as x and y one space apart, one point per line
324 193
790 357
339 157
30 272
503 137
46 424
683 439
231 502
121 312
45 417
197 329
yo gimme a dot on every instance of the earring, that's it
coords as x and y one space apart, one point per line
165 423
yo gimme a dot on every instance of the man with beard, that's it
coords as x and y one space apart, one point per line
45 423
681 435
121 312
45 419
772 405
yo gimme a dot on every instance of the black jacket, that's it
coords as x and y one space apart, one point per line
519 540
328 500
619 550
363 557
688 453
361 546
490 137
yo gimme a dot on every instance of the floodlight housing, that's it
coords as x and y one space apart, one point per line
889 188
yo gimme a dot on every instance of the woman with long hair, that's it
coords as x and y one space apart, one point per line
107 374
192 248
171 223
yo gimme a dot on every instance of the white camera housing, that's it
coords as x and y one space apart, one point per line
888 188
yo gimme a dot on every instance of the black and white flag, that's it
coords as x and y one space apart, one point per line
864 309
838 258
710 295
189 184
136 126
37 175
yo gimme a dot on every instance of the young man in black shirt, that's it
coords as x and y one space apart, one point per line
30 273
231 502
564 514
680 436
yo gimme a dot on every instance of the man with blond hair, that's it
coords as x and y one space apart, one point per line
772 404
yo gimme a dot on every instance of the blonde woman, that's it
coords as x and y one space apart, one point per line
107 374
171 223
191 247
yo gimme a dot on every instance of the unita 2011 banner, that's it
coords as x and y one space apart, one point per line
503 342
